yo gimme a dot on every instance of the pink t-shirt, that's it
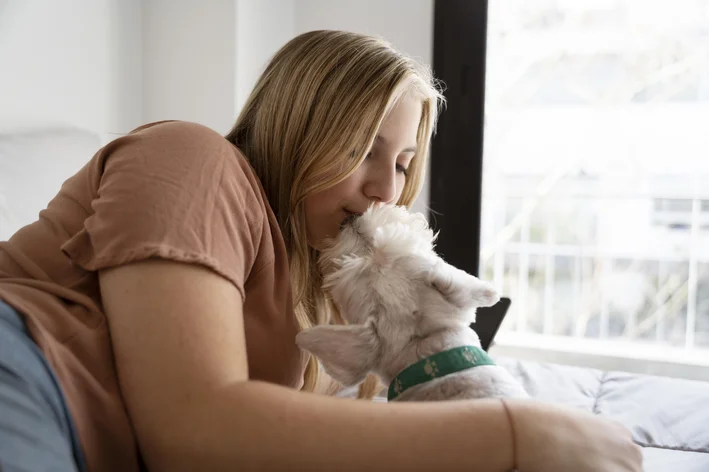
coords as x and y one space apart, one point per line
171 190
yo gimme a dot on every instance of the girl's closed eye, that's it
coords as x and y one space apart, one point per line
400 168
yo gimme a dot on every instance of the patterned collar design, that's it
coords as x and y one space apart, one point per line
436 366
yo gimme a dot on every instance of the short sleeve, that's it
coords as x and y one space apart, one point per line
176 191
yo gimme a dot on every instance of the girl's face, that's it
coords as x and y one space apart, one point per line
379 179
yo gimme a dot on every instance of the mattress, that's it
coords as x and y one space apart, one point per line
668 417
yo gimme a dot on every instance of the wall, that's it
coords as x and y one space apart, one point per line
407 24
75 62
189 55
262 27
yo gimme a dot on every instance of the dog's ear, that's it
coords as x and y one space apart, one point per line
347 352
460 288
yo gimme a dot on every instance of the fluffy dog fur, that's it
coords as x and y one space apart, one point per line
402 303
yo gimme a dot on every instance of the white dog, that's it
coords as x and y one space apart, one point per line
408 314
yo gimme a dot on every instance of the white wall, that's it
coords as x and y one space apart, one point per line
71 61
189 55
407 24
262 27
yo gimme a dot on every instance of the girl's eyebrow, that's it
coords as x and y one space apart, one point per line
384 140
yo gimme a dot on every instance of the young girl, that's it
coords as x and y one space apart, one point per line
147 319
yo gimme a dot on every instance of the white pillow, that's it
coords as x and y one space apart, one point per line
33 166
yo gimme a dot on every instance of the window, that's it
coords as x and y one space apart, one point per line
594 201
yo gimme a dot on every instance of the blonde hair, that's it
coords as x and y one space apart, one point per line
320 101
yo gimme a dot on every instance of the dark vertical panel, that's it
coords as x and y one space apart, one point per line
459 47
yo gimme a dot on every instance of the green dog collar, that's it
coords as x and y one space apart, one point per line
436 366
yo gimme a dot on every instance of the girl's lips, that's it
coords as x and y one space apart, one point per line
356 213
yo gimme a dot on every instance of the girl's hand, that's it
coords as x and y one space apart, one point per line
551 438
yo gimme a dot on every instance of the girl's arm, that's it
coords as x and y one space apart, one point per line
178 338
